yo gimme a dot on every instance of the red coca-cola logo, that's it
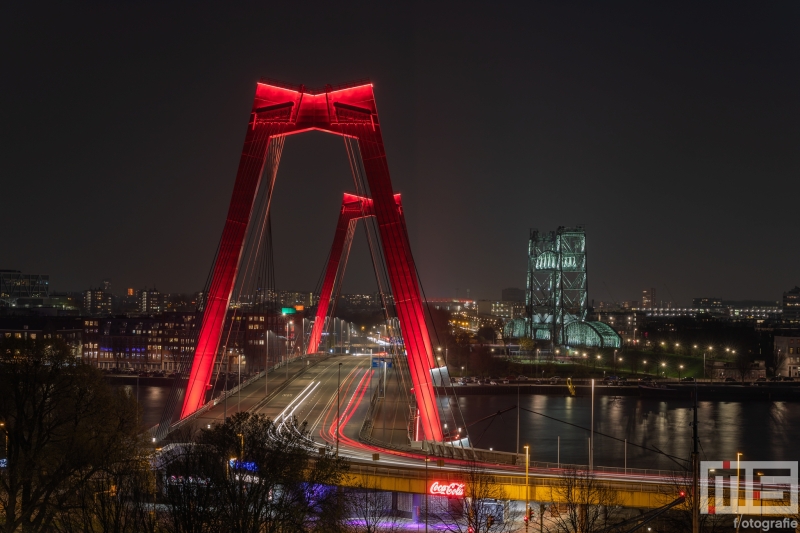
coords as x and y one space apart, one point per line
451 490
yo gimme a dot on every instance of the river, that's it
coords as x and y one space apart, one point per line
761 430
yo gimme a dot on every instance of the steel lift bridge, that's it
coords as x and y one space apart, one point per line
349 111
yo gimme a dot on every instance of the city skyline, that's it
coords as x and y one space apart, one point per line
670 135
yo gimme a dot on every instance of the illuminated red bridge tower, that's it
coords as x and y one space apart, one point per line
280 110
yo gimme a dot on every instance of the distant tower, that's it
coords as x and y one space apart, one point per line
150 301
557 283
791 306
649 298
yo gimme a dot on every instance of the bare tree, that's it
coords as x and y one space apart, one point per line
584 504
370 510
250 475
192 501
476 503
120 500
743 364
66 430
776 361
679 518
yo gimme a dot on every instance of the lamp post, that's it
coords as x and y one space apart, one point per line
338 388
738 483
241 448
426 492
527 487
680 367
3 425
266 366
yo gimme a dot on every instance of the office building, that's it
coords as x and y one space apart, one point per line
791 306
151 302
649 298
97 302
14 284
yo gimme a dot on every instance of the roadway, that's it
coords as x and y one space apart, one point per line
309 394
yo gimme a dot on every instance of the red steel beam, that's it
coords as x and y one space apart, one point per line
348 111
353 208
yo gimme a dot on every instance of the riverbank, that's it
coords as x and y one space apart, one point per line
768 392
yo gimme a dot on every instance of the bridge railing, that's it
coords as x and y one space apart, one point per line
446 450
365 433
222 396
517 480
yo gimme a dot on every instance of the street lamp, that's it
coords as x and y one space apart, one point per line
680 367
527 487
338 388
738 455
3 425
426 492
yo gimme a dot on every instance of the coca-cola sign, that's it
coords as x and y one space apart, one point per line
451 490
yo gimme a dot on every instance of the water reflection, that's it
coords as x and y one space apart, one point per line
760 430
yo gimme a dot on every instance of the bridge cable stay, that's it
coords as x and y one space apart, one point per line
257 264
178 384
184 362
493 417
438 342
402 374
674 458
379 268
338 282
379 260
362 188
258 233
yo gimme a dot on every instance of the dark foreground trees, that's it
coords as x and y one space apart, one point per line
77 461
251 475
587 505
67 435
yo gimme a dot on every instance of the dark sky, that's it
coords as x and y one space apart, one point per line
672 131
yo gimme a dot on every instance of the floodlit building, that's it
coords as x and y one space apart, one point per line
557 293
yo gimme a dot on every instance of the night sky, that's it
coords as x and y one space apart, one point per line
672 131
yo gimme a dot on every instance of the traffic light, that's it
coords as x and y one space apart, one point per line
489 521
471 529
